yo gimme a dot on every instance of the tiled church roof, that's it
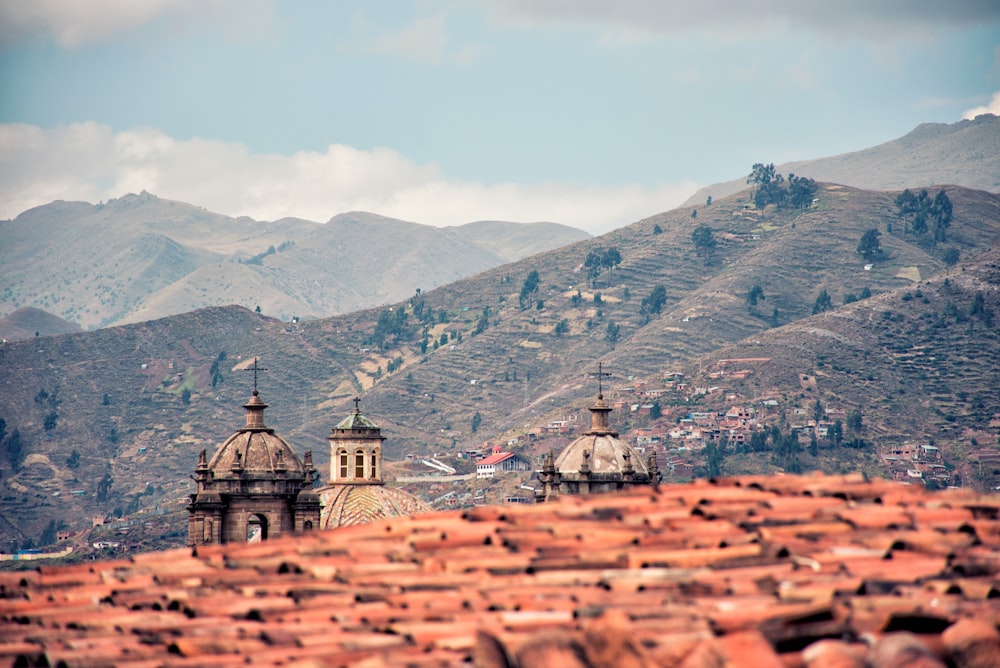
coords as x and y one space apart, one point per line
347 505
769 571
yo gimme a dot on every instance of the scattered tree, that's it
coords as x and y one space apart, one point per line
835 433
920 210
528 288
477 419
50 420
600 259
869 247
704 242
823 302
562 327
801 191
694 213
484 321
657 229
613 333
186 396
855 422
708 201
755 295
104 488
15 450
653 304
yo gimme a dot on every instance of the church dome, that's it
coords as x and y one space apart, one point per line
356 493
599 450
602 453
348 505
255 450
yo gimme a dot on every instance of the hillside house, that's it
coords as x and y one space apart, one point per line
500 462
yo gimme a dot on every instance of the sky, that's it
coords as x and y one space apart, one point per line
589 113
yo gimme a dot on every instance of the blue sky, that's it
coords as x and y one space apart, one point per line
589 113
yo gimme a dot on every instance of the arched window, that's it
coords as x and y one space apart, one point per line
207 535
374 469
256 528
359 465
307 525
343 463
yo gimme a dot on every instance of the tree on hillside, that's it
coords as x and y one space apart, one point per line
801 191
600 259
823 302
755 295
941 211
654 302
104 488
613 333
855 422
15 450
835 433
477 419
528 288
768 185
921 211
704 242
869 247
561 328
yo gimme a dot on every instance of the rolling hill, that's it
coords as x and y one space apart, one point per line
141 257
918 358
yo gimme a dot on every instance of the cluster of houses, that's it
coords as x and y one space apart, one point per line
916 462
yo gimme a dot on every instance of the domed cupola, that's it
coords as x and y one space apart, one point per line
256 452
597 461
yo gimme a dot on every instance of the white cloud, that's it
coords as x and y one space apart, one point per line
424 40
89 162
735 18
993 107
75 23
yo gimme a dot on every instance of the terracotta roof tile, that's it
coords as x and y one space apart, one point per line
742 571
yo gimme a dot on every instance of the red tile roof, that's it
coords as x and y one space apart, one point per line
752 571
495 458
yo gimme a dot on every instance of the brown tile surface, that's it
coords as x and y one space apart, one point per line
756 571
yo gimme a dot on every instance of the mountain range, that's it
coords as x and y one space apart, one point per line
140 257
906 338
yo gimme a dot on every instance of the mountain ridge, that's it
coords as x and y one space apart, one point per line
141 257
966 153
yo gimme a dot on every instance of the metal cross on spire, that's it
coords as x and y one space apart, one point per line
256 369
357 404
601 375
